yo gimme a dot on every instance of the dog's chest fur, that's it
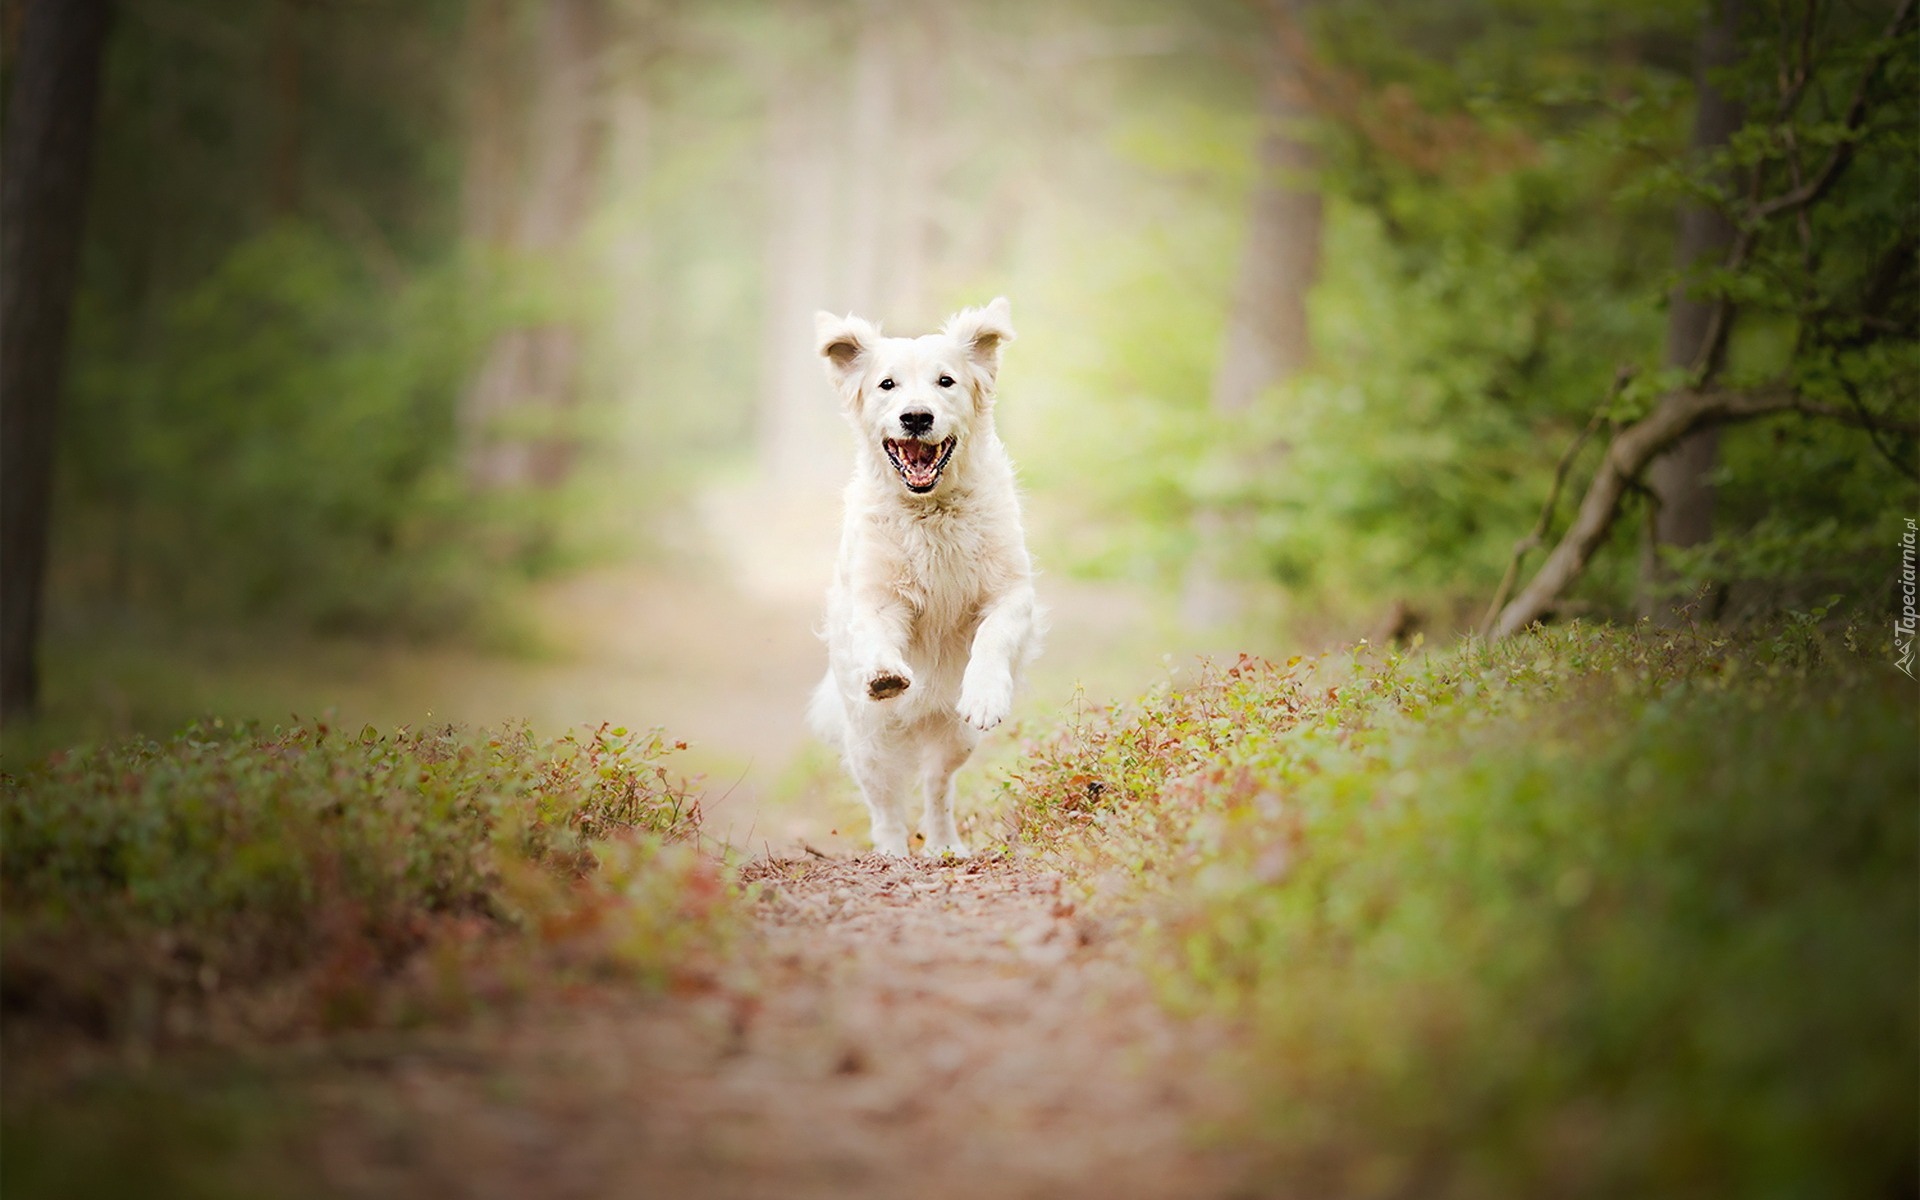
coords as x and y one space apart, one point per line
945 560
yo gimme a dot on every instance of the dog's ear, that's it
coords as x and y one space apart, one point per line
983 331
845 343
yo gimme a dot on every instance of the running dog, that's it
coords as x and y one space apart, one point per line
931 614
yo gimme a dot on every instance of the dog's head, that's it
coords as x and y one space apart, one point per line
916 401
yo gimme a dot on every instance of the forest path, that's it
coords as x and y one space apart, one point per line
912 1029
883 1029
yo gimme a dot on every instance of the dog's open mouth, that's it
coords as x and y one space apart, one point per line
919 463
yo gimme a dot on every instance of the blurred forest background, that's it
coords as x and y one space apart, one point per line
420 363
410 338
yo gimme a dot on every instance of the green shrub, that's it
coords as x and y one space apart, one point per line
285 447
1586 914
143 879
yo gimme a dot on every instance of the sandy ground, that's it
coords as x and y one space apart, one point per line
912 1029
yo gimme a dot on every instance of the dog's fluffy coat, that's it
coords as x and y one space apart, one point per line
931 615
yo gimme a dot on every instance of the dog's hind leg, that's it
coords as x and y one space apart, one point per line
883 783
944 757
826 714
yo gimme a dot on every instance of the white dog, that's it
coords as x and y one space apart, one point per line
931 615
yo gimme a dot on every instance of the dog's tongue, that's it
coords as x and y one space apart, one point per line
920 456
919 461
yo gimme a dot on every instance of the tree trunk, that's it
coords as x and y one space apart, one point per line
487 179
920 160
872 211
533 370
1267 335
629 325
1267 338
1681 479
798 432
284 184
897 136
45 163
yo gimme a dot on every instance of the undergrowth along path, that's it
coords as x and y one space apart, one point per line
914 1028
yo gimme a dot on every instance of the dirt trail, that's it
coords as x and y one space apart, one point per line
896 1029
917 1030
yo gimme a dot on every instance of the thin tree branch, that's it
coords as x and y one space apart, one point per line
1627 455
1728 407
1537 537
1856 415
1759 212
1794 85
1842 154
1873 431
1886 282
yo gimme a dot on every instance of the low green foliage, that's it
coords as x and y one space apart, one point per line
225 1134
144 882
1590 913
285 448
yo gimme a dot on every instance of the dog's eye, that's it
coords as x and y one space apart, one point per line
946 381
886 385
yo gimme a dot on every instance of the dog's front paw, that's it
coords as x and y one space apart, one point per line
952 848
884 683
891 844
985 704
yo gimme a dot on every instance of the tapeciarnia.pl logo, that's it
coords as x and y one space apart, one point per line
1903 625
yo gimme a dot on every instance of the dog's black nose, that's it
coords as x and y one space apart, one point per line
916 421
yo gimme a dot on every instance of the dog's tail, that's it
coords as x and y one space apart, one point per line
827 715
